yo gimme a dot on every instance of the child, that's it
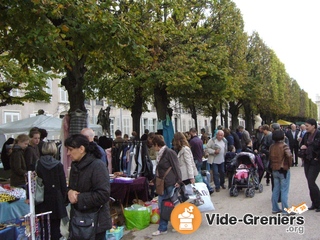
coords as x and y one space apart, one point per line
228 163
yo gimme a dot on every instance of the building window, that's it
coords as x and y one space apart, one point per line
10 116
15 93
99 102
126 126
150 124
112 128
63 95
145 124
49 86
184 127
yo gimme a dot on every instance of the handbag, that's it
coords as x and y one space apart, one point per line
160 182
83 225
39 193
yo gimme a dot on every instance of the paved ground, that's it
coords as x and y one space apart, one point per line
259 205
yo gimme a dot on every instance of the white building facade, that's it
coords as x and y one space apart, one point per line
120 118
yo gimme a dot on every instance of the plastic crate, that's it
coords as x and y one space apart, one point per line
116 234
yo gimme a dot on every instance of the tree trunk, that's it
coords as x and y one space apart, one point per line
161 102
248 117
221 114
73 83
234 109
194 116
226 117
136 110
213 119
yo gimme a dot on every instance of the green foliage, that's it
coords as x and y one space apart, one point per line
30 83
195 52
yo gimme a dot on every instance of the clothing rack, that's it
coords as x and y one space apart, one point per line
132 158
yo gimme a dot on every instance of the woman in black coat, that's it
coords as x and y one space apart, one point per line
89 185
55 191
310 146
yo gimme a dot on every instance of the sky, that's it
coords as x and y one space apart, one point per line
291 29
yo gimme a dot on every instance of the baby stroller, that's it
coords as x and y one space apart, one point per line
245 175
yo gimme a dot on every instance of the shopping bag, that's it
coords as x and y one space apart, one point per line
199 195
137 217
166 208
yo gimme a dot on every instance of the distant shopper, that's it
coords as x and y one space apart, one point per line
6 152
196 146
17 161
32 153
144 137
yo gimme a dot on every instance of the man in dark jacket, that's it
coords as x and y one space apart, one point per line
292 135
196 146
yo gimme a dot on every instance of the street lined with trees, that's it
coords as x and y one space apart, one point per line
137 52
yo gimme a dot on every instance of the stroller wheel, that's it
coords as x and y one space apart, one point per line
252 191
247 192
260 188
235 192
231 191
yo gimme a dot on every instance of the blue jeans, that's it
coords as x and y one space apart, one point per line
198 165
281 184
163 224
218 174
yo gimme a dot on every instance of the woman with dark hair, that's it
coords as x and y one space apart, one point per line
187 166
55 190
5 153
280 158
310 146
89 185
167 158
17 162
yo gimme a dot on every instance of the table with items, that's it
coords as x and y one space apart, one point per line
126 189
12 208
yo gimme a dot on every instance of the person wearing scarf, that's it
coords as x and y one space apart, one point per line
166 158
311 145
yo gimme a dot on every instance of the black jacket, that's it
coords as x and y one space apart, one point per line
18 167
293 141
90 177
55 187
313 149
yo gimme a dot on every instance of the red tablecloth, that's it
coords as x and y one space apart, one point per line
126 192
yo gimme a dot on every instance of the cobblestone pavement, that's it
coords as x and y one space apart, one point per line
259 205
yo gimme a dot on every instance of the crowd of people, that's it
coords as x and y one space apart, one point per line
89 186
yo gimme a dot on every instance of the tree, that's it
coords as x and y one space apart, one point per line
30 83
66 37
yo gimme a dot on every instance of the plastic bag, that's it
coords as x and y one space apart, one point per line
138 218
200 196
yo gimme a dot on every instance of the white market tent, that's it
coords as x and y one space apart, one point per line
51 124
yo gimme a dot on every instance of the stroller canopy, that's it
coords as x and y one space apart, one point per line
246 158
